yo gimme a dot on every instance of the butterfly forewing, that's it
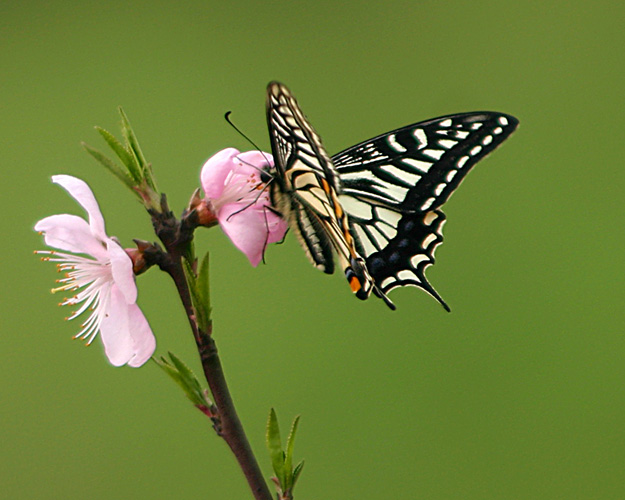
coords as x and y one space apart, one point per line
416 168
306 190
293 140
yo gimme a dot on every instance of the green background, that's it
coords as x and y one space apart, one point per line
517 394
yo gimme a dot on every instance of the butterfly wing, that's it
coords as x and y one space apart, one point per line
393 186
305 190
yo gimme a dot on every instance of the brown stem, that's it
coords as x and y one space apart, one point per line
230 429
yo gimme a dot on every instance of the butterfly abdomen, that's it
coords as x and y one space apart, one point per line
358 278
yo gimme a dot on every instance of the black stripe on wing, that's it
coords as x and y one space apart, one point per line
293 140
398 247
394 185
403 261
300 161
417 168
313 238
305 187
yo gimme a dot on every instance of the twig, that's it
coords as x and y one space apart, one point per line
176 237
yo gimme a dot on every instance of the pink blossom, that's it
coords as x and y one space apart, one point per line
104 277
231 181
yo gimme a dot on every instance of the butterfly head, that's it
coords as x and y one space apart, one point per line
266 174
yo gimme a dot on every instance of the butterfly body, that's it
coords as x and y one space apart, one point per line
376 205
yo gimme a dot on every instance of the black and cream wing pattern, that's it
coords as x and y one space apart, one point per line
383 195
394 185
305 189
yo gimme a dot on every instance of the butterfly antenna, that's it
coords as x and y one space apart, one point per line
227 118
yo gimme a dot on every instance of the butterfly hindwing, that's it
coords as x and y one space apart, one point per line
407 254
398 248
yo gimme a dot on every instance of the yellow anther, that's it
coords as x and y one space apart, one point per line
61 288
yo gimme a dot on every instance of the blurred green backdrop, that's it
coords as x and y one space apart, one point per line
517 394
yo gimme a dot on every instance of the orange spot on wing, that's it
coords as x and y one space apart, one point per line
354 284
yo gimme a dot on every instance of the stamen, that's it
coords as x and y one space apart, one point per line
62 288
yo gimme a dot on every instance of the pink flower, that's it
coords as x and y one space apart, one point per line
105 278
231 181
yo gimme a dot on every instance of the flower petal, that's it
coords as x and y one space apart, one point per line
121 267
232 182
114 330
81 192
246 228
143 339
125 332
215 171
72 234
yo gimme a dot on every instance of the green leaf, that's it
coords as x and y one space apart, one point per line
203 287
282 461
198 286
191 279
131 138
168 368
113 167
122 153
274 444
185 372
189 251
134 171
135 149
184 377
288 459
296 473
175 375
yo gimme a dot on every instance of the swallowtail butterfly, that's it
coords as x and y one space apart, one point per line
376 205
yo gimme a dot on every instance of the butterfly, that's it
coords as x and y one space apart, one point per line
375 206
